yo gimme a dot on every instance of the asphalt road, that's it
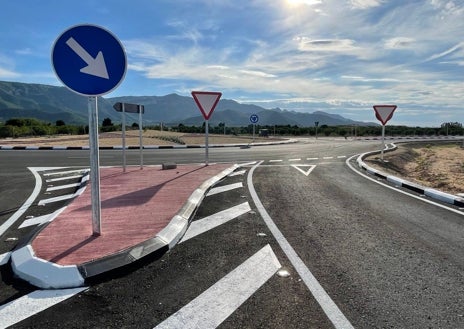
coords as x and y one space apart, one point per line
385 259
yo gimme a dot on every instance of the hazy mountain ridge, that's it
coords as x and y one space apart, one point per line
51 103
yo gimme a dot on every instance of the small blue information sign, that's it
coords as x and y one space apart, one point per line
254 118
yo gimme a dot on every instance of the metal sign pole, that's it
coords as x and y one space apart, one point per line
140 136
123 138
94 166
206 141
254 132
383 139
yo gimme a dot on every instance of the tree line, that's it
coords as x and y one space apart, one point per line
27 127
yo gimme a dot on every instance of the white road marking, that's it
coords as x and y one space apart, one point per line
307 172
56 199
33 303
327 158
38 185
62 187
294 160
421 197
41 219
62 178
276 160
238 173
205 224
329 307
74 171
217 303
312 158
224 188
341 157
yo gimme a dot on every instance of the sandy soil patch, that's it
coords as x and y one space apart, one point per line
435 165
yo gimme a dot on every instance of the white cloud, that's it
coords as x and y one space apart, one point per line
364 4
8 74
400 43
325 45
457 50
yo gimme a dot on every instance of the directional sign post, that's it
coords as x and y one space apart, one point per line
384 113
254 120
206 102
130 108
90 61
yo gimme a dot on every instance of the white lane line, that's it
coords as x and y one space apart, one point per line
312 159
62 187
341 157
33 303
38 185
329 307
237 173
294 160
276 160
225 188
327 158
217 303
41 219
205 224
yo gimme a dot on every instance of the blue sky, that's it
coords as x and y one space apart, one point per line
338 56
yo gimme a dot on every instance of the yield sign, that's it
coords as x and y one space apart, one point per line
206 101
383 113
304 172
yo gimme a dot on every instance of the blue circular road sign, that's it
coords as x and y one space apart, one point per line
254 118
89 60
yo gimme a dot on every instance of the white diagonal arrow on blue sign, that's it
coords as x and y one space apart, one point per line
95 66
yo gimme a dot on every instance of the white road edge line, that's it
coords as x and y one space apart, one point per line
218 302
329 307
33 303
38 185
398 190
205 224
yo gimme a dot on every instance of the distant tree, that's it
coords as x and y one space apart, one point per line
107 122
135 125
60 123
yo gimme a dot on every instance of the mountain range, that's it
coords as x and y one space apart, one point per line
51 103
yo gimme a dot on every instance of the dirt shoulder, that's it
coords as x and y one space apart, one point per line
150 137
438 165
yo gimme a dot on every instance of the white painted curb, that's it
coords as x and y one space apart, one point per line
43 274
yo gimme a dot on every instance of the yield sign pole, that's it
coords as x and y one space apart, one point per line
384 113
206 102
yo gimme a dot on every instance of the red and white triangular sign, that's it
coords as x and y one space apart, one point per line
383 113
206 101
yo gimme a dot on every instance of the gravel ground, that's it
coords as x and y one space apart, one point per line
435 165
